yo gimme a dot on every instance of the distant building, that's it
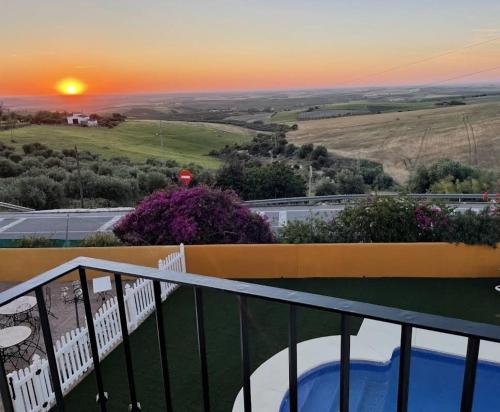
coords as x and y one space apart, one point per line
80 119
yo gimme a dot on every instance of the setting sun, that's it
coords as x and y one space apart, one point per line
71 86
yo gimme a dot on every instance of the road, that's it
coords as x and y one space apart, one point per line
78 225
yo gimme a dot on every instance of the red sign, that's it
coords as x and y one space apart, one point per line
185 176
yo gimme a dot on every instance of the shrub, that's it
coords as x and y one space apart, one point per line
37 149
120 191
383 181
312 230
305 150
9 192
326 188
39 192
9 169
34 242
319 151
149 182
290 150
193 216
445 169
30 162
58 174
474 228
379 219
15 157
349 183
104 169
53 162
101 239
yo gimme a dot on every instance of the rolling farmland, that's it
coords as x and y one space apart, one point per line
137 140
402 141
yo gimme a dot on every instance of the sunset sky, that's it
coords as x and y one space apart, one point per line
206 45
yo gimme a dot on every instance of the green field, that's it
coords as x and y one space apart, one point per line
374 106
358 105
286 116
137 140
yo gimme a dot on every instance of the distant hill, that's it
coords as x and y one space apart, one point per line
402 141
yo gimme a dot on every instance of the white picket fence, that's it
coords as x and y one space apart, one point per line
31 389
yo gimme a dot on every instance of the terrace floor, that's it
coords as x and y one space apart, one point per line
472 299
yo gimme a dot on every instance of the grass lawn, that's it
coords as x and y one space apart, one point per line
138 140
286 116
472 299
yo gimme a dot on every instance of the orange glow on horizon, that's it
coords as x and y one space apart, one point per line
71 87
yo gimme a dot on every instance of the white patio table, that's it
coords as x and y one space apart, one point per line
19 305
13 335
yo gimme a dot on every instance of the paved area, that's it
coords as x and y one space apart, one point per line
64 314
71 226
77 225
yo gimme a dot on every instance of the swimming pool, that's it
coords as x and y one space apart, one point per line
435 385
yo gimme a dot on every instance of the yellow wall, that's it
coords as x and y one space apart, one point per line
260 261
21 264
345 260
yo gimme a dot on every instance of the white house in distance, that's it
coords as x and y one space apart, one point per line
80 119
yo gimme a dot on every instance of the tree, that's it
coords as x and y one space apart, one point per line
305 150
149 182
349 183
319 151
326 188
231 176
39 192
272 181
450 170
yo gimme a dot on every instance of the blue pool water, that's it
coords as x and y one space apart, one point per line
435 386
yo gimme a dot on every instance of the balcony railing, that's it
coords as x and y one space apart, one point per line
347 309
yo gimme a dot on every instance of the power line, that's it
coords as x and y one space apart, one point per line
491 69
426 59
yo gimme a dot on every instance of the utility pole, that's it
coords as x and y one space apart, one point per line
310 180
160 134
79 173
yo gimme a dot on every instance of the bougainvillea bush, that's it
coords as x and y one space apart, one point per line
192 216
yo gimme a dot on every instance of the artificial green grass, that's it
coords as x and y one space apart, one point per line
472 299
137 140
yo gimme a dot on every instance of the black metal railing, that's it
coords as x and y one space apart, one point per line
346 308
310 200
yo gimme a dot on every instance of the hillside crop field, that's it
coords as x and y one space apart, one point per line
137 140
402 141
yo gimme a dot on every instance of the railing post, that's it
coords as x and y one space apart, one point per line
182 249
4 389
162 345
101 395
202 350
470 374
134 405
292 357
404 368
345 351
49 348
132 308
245 358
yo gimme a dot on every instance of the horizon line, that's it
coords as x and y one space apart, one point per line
264 90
